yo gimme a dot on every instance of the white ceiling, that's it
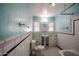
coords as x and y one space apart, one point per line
38 8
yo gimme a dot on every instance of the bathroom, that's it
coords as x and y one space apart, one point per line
39 29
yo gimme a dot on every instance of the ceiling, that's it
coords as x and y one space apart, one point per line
38 8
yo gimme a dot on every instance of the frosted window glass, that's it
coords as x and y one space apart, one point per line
51 27
36 27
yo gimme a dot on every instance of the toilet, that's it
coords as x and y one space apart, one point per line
68 53
38 50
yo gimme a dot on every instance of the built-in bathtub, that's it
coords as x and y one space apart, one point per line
68 53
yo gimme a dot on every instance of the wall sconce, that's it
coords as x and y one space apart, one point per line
22 25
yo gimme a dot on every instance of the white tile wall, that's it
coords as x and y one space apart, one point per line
52 38
24 48
21 50
70 41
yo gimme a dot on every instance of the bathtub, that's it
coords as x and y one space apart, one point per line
68 53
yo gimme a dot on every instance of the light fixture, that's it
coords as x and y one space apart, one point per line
52 4
45 13
44 16
20 24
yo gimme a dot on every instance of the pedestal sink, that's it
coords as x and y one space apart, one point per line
45 39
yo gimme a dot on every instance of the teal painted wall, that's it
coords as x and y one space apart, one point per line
10 15
74 9
62 22
38 18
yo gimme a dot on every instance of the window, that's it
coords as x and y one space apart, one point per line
36 26
51 27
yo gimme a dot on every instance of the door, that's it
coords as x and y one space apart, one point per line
77 34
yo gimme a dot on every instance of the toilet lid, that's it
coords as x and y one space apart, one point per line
33 41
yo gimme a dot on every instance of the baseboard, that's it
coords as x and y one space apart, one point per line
59 47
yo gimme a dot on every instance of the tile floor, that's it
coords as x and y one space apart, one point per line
51 51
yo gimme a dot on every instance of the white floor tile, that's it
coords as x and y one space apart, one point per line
51 51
